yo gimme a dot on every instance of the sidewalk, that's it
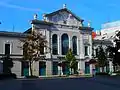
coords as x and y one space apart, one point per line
61 77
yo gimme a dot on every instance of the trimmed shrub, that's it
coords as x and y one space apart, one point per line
102 73
7 76
117 73
30 77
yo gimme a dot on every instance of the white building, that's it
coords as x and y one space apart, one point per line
63 30
108 30
106 37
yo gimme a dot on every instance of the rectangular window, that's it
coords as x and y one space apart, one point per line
96 51
7 49
42 50
55 49
86 50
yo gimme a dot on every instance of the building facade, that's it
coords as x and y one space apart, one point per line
63 30
106 37
109 30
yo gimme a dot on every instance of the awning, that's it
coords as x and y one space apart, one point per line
92 61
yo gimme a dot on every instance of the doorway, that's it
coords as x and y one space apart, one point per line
25 68
42 68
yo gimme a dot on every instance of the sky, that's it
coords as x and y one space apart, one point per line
15 15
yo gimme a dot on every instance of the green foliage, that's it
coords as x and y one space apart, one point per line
102 58
71 60
33 46
110 50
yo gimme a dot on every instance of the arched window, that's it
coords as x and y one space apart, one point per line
54 45
74 45
65 44
86 50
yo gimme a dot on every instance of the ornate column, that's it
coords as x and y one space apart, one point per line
36 68
70 42
91 69
59 45
90 47
81 66
110 66
49 55
49 66
78 46
81 47
81 63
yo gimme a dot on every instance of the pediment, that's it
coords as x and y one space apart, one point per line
64 16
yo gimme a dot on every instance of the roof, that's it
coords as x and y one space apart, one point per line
38 22
41 22
106 42
28 31
93 35
86 28
12 34
65 9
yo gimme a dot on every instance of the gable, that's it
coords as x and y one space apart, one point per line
64 16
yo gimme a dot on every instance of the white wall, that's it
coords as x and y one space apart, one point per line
14 43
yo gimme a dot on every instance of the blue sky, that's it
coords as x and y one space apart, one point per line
18 13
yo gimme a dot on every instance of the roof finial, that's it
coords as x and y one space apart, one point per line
35 16
89 23
44 17
64 6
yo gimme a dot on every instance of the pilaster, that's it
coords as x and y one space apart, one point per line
70 42
36 68
90 47
49 66
59 45
81 47
81 66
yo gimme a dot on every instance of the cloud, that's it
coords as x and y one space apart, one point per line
3 4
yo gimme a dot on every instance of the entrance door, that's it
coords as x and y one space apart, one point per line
55 68
87 68
42 68
65 69
25 68
97 69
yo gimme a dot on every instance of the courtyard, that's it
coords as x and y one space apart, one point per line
88 83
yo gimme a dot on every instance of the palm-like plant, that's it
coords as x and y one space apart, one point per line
71 60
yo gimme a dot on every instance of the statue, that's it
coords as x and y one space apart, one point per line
35 16
64 6
89 24
44 18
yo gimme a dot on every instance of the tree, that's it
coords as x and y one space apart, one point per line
33 47
114 51
111 53
71 60
102 58
117 48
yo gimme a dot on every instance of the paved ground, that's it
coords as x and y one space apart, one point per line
96 83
